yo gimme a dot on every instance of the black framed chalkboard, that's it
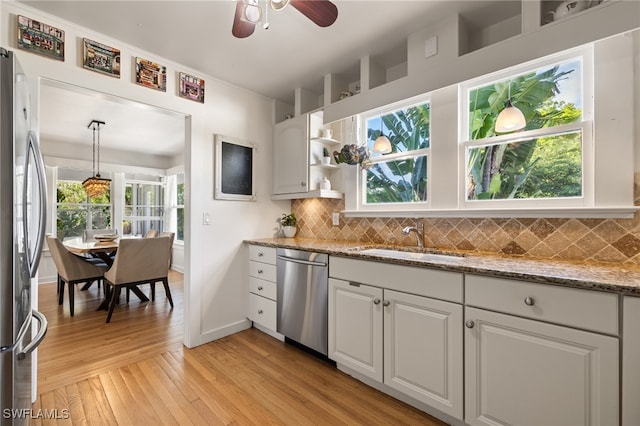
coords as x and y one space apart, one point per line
235 178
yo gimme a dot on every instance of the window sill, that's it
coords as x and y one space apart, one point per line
579 213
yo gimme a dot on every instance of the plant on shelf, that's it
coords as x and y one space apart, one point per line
326 157
288 223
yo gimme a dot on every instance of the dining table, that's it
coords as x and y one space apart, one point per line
99 249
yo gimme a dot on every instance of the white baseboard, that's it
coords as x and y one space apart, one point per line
224 331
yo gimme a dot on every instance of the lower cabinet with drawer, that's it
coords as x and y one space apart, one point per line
539 354
262 286
407 342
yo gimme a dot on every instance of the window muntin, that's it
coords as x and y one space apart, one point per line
75 211
399 177
180 210
143 207
547 160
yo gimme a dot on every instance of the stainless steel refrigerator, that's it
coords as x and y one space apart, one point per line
22 227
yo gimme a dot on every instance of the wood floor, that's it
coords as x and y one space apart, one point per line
135 371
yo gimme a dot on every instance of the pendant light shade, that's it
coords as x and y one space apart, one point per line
382 144
510 118
95 186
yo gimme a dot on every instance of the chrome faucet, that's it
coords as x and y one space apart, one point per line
418 229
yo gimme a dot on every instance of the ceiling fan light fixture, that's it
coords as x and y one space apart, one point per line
278 5
252 12
510 119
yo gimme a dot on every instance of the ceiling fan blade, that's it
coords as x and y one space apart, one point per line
322 12
241 28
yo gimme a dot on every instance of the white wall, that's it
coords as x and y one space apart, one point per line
214 255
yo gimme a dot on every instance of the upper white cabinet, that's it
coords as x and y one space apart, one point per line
298 168
290 153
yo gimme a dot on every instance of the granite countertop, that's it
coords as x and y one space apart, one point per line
588 275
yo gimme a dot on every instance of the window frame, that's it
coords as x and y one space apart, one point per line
86 206
586 126
160 219
361 181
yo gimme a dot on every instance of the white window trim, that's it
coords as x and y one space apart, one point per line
361 205
611 154
585 54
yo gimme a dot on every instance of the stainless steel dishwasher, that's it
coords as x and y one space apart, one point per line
302 284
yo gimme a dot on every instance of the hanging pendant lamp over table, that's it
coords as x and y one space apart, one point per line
95 186
510 118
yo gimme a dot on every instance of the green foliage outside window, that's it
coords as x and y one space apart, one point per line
399 180
75 209
543 167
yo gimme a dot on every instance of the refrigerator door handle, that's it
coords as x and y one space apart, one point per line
42 331
34 147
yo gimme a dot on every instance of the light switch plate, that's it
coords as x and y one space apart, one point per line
206 219
335 218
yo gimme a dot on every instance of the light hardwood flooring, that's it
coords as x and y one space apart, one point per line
135 371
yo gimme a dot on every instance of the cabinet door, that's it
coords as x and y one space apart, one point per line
291 156
423 350
355 327
525 372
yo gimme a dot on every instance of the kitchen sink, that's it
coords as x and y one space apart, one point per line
412 254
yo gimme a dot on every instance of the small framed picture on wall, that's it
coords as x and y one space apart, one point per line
191 87
40 38
101 58
151 74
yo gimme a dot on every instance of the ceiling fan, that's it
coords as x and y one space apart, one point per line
249 12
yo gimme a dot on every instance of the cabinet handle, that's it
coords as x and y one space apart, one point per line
259 311
303 183
260 254
259 271
260 288
469 324
376 301
386 303
529 301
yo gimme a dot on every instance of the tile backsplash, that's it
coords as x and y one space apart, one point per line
605 240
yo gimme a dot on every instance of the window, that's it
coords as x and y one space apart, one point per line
547 160
143 206
398 179
75 211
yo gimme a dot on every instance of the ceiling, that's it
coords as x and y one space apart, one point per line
293 52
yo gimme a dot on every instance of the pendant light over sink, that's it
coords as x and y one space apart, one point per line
95 186
510 118
382 144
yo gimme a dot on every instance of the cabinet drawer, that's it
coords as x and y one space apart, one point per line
263 271
590 310
445 285
262 311
262 254
263 288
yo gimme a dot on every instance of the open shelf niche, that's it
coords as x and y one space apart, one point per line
385 67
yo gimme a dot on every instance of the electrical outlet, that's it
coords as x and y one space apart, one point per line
335 218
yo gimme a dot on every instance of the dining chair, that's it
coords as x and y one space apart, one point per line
151 233
152 285
72 270
138 261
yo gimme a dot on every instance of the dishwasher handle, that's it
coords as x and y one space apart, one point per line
301 261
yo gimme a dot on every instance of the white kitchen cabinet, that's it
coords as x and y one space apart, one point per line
525 369
297 166
412 344
262 293
290 156
631 361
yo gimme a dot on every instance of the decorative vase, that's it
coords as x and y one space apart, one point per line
289 231
326 161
